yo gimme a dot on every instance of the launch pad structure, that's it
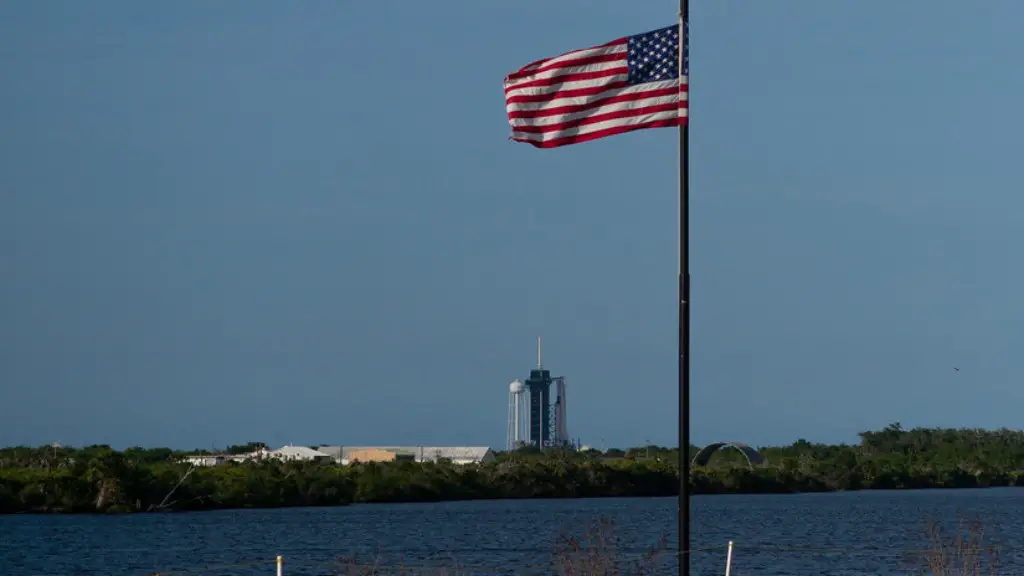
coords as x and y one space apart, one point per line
545 425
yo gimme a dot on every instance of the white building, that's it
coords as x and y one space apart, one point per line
206 459
302 453
348 454
456 454
286 453
259 454
217 459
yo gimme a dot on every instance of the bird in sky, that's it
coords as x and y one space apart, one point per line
955 369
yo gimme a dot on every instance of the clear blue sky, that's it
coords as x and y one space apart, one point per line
303 222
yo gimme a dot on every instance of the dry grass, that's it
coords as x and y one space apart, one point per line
962 552
593 554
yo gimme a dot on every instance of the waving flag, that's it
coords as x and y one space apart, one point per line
627 84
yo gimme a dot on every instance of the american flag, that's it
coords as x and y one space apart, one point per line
627 84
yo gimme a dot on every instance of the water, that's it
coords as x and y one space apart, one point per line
845 534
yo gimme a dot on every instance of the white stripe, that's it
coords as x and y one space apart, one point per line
582 100
598 126
614 107
576 55
549 74
570 85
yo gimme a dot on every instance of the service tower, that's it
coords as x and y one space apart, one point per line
538 386
547 419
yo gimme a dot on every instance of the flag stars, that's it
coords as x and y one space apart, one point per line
653 56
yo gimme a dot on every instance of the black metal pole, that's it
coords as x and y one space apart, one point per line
684 304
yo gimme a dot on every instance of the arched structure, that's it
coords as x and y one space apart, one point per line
704 456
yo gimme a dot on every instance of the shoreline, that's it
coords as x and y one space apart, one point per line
98 479
125 512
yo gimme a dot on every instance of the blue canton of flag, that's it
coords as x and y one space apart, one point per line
654 55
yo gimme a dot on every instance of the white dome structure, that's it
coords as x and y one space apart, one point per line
516 387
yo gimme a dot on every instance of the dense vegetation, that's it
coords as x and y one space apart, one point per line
99 479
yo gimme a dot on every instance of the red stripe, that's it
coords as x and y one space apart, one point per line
545 128
566 93
597 59
576 92
595 104
533 66
555 80
556 142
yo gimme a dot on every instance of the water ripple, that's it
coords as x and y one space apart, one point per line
846 534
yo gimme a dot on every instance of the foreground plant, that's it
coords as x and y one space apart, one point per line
963 552
595 553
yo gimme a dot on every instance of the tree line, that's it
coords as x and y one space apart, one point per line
100 479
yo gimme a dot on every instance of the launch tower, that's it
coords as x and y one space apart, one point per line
547 423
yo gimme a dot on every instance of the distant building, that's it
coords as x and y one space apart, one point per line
333 451
258 454
206 459
373 455
302 453
350 454
285 453
455 454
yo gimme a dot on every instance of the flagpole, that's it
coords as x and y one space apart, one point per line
684 307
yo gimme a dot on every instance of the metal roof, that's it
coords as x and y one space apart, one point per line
301 451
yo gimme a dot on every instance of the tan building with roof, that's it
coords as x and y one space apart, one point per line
371 455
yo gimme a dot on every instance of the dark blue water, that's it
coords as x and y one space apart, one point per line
847 534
